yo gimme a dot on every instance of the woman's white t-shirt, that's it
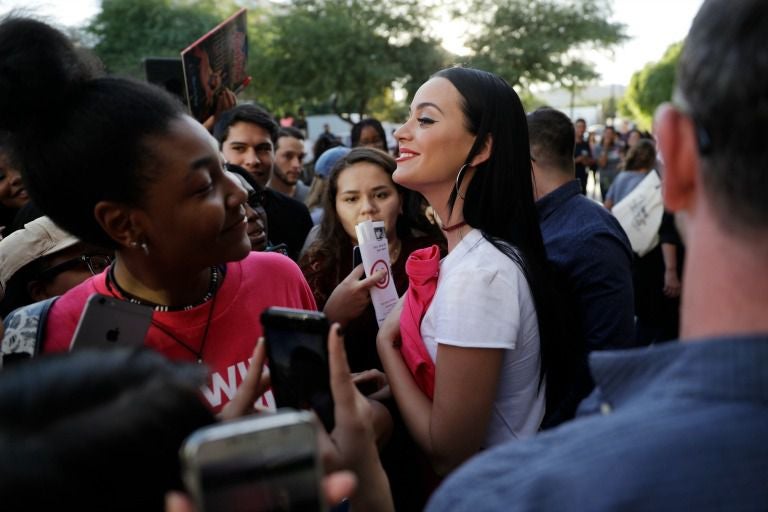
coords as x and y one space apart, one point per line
483 301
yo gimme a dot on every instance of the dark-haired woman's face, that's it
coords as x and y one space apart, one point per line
12 191
194 211
365 191
434 142
369 137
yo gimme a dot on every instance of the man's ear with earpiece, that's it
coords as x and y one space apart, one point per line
676 135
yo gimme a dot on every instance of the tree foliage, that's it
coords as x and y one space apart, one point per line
341 53
126 31
529 42
651 86
347 56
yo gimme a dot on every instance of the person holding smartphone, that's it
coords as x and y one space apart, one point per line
120 165
360 188
472 375
63 464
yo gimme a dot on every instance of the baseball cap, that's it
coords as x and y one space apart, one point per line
36 239
328 159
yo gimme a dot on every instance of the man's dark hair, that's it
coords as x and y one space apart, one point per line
245 114
722 79
552 139
290 131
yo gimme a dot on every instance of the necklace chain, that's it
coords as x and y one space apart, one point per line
212 289
454 227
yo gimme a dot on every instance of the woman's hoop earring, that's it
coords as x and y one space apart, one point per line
459 179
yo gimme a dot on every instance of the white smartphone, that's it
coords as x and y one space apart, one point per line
261 463
107 322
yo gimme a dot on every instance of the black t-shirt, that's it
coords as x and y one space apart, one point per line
288 221
581 149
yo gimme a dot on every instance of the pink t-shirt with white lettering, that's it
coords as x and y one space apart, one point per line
250 286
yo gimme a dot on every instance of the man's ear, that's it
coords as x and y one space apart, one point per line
679 149
484 153
119 222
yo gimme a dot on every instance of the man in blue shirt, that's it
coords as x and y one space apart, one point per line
680 426
588 251
584 242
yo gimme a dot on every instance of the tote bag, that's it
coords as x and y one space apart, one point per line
640 212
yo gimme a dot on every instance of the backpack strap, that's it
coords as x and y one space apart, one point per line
24 332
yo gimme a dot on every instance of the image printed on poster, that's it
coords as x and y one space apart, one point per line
216 62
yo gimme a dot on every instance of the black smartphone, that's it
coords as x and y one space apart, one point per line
260 463
357 259
297 351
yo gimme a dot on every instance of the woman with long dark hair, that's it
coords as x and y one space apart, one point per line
360 187
369 132
475 348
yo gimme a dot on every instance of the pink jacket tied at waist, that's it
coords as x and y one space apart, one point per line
422 267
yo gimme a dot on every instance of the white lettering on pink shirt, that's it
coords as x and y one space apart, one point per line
223 390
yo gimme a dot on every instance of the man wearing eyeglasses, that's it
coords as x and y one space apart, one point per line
679 426
42 261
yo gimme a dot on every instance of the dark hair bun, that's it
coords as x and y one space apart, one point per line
39 70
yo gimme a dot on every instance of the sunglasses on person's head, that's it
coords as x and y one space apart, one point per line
96 264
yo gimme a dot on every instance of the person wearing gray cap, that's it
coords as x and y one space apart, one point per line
37 264
314 200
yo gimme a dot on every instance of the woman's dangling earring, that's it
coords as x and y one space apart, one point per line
459 179
143 245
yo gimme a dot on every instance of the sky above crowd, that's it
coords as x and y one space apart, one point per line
651 24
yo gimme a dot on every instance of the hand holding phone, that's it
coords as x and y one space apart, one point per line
357 259
262 463
297 352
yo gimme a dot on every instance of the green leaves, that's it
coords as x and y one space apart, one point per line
652 86
342 54
529 42
126 31
347 55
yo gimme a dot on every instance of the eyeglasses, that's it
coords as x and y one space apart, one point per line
96 264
